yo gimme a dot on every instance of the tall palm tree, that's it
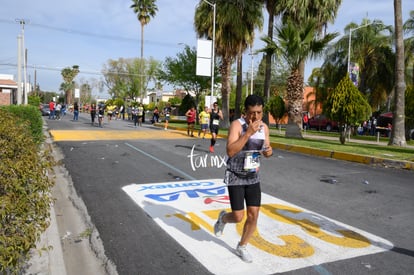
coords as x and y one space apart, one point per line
300 11
235 24
144 9
296 43
68 75
272 9
398 123
409 46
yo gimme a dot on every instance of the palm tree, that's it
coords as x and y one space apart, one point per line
300 11
144 9
398 123
272 9
235 25
409 46
295 43
68 75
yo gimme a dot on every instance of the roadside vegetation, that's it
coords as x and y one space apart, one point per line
24 185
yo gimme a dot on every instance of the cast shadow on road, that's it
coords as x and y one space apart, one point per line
403 251
167 215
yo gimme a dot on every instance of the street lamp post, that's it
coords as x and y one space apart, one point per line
349 43
213 5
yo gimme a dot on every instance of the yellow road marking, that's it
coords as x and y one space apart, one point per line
82 135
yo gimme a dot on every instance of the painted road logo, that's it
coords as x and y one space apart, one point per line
288 237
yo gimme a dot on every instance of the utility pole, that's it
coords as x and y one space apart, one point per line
23 51
19 70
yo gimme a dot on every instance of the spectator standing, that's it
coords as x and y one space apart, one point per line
191 118
75 111
58 108
248 138
51 109
156 115
167 112
93 113
134 116
215 116
122 112
63 110
140 114
305 122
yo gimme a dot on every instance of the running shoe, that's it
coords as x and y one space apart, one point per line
219 226
242 252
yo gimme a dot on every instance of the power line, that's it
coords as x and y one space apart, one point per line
40 67
91 34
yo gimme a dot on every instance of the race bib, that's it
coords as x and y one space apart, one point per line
251 161
216 122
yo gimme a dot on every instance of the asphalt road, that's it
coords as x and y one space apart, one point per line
103 161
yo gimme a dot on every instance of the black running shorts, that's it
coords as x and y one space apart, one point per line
239 193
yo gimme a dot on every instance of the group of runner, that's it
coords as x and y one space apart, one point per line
209 119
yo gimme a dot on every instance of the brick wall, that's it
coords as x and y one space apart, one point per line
4 98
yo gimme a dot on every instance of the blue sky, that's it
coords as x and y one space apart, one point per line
88 33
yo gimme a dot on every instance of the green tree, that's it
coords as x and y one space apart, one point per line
409 109
398 121
296 43
180 72
186 103
321 12
85 93
347 105
68 75
144 9
235 25
123 78
276 107
371 50
409 48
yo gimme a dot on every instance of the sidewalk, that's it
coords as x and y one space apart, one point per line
73 241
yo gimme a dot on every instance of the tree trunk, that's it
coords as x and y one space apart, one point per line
268 67
239 87
398 124
295 101
142 64
225 90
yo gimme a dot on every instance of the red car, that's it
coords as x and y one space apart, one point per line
321 122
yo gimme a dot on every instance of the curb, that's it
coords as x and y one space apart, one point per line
368 160
388 163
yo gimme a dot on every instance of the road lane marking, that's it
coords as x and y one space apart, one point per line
82 135
288 237
161 161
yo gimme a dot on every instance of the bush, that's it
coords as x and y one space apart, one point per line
30 114
24 189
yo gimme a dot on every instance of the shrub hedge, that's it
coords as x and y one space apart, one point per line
24 186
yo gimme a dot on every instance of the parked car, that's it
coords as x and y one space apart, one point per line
44 109
384 126
321 122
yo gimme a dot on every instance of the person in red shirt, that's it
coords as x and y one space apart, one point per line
52 109
191 118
